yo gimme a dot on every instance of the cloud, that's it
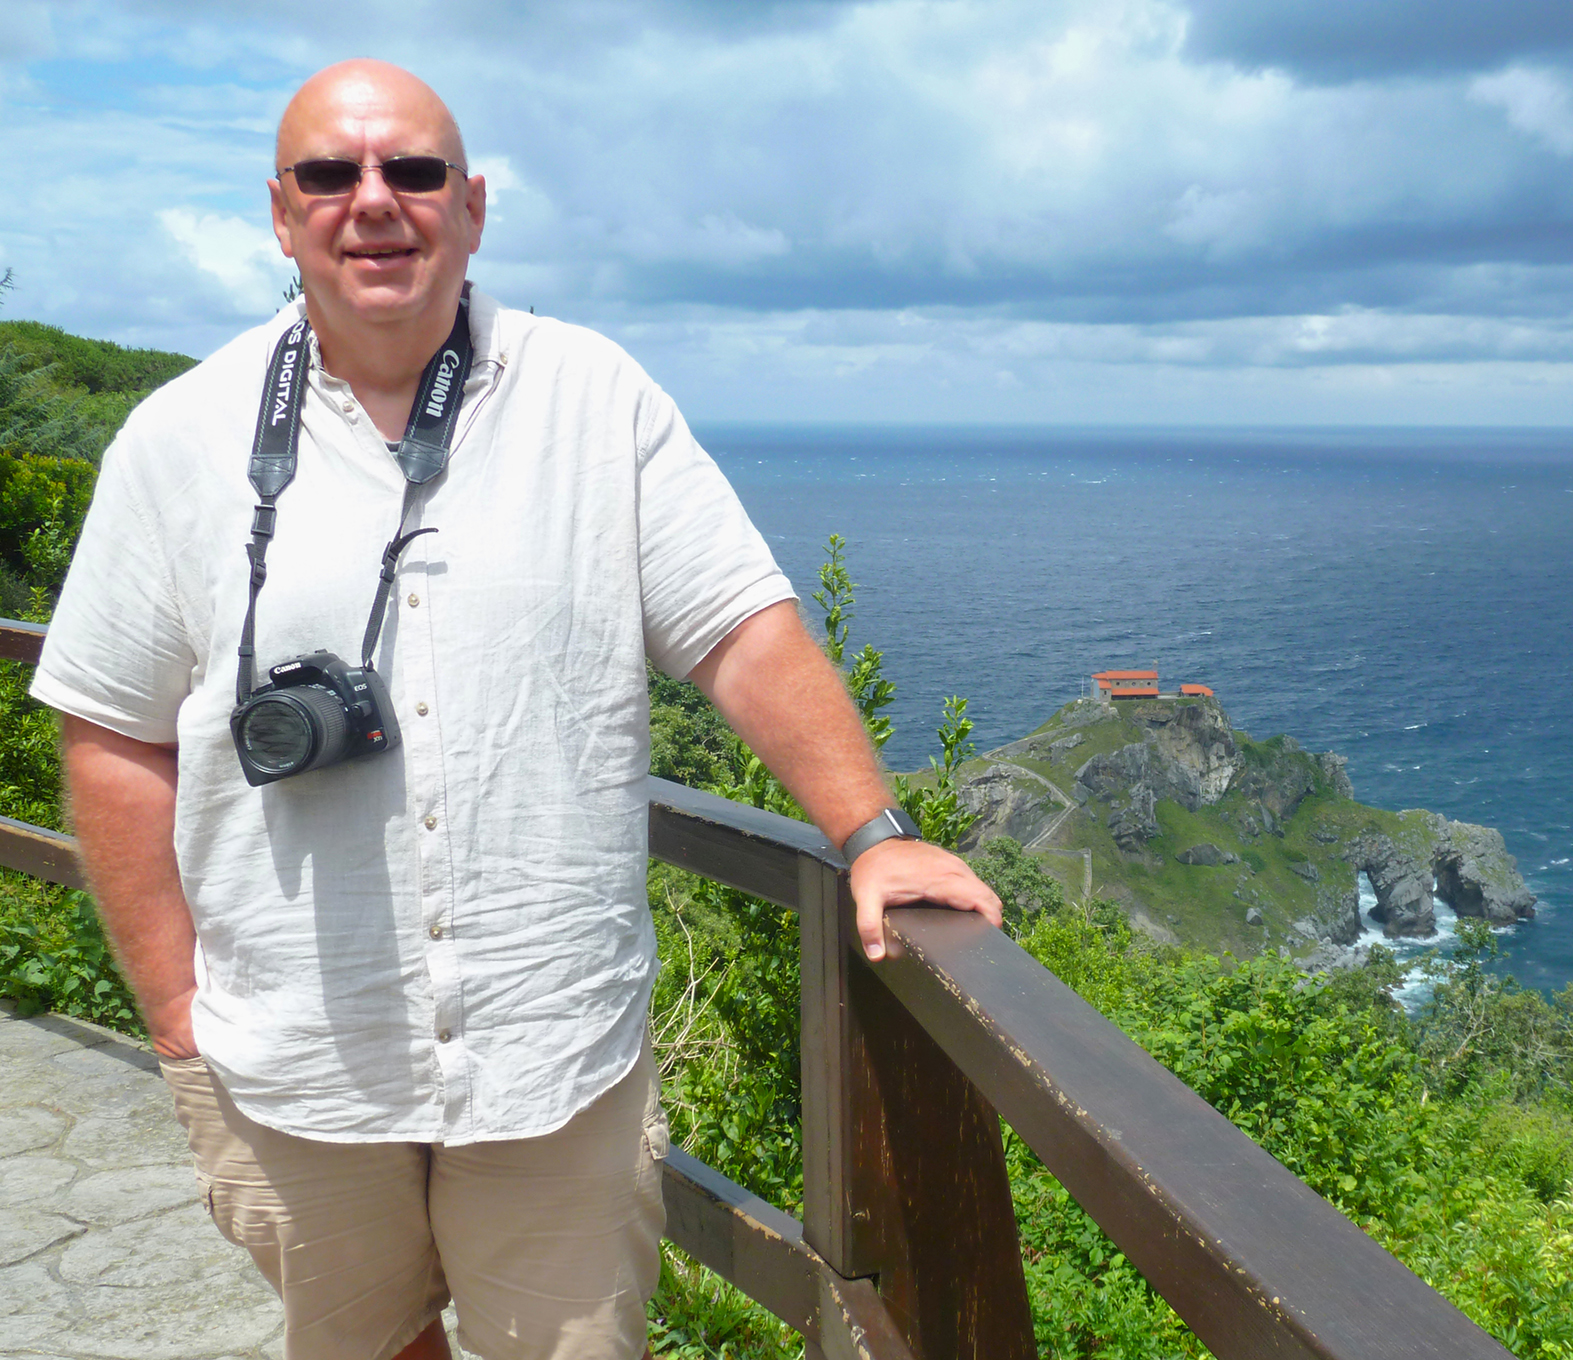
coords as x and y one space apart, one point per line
853 196
241 256
1537 101
1342 40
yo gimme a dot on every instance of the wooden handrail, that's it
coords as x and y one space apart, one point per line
1255 1261
905 1063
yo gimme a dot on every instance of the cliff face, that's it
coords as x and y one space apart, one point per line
1231 841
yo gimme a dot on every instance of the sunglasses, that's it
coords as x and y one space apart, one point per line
402 174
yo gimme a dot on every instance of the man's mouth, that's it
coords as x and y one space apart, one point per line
380 252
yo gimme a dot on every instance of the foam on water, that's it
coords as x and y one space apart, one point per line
1408 950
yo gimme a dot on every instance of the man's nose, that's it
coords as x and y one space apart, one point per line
372 195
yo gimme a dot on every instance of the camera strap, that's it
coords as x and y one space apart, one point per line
421 455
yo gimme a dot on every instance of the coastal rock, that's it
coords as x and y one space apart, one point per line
1065 745
1253 916
1006 802
1197 739
1336 768
1207 854
1402 885
1282 779
1337 913
1328 957
1087 713
1187 754
1476 876
1133 825
1306 870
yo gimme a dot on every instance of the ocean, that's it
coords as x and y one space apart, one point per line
1401 596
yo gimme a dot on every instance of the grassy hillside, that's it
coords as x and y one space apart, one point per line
62 395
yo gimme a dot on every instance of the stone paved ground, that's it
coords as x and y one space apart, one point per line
105 1250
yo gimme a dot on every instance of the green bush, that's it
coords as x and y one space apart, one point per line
1025 889
43 501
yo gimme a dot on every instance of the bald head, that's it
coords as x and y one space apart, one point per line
381 263
365 91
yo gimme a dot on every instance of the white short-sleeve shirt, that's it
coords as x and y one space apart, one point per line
448 942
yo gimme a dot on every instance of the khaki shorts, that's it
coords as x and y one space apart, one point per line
548 1246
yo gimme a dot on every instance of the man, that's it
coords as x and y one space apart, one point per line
400 999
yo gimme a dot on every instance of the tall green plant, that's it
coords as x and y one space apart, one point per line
937 807
865 679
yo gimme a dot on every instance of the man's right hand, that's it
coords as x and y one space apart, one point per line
169 1027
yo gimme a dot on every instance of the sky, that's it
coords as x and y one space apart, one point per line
1119 212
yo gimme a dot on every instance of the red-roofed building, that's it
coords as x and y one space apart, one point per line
1125 685
1111 685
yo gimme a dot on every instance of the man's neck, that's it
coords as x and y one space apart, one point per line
382 363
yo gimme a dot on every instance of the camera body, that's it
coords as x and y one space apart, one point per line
316 710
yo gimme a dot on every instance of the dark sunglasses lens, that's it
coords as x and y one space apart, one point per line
415 174
327 177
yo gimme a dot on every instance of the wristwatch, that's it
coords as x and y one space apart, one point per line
887 825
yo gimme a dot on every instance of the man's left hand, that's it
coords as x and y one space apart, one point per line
896 873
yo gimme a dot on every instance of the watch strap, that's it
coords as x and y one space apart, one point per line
888 824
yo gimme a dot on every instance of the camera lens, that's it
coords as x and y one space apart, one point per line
290 731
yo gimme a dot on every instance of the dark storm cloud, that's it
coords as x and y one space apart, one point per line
1335 40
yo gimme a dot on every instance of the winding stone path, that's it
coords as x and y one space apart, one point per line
105 1250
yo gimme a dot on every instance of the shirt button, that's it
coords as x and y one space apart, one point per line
349 406
422 709
431 823
436 932
414 600
443 1035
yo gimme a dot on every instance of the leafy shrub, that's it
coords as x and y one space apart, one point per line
53 956
43 501
1025 889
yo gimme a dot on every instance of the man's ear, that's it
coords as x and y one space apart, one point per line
280 218
475 207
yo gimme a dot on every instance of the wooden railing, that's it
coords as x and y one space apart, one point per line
908 1243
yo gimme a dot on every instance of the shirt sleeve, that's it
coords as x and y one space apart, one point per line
703 566
117 653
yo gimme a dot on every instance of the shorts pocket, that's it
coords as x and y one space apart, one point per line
657 1135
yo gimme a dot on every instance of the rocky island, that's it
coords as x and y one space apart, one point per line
1208 837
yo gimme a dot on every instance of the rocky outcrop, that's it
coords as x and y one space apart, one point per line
1475 875
1402 885
1279 781
1466 866
1187 754
1337 913
1336 768
1208 855
1133 825
1007 802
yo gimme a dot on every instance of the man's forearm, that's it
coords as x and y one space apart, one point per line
782 697
122 795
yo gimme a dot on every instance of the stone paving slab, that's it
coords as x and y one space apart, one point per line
106 1252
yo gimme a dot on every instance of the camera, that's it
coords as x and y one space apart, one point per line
315 710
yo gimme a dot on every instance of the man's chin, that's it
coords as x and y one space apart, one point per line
379 302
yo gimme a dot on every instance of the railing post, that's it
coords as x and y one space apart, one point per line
903 1169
